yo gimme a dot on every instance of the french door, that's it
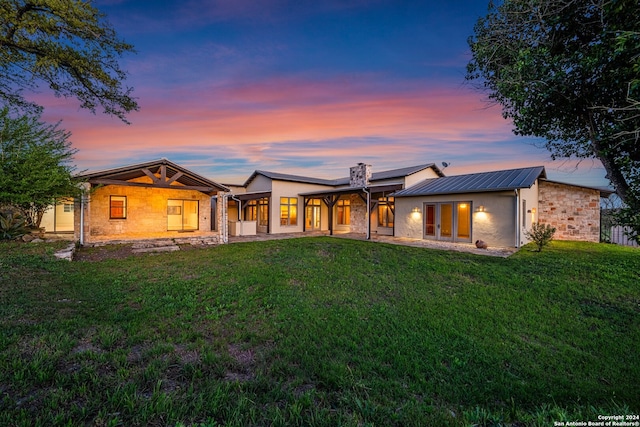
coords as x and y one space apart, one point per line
312 215
448 221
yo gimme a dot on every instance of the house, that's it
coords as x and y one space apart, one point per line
271 202
160 199
157 199
497 207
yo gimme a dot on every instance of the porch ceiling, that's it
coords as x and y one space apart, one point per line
374 189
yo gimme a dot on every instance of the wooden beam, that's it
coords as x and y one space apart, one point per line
163 173
174 178
150 174
105 181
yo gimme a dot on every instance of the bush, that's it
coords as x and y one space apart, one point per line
12 224
540 234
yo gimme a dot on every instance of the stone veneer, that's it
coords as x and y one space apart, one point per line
574 211
358 214
359 175
146 216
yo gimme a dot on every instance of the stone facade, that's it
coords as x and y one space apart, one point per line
358 214
146 216
574 211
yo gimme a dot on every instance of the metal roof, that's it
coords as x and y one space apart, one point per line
286 177
395 173
476 182
375 176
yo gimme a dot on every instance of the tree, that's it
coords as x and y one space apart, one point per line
568 71
66 45
34 165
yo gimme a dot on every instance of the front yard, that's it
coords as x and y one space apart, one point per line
319 331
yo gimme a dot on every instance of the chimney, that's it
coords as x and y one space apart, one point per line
360 175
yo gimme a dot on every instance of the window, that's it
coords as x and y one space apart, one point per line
182 215
263 212
68 207
118 207
385 211
251 211
343 211
288 211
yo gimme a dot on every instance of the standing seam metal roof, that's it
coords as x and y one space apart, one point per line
476 182
375 176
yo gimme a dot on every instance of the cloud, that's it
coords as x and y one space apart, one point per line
293 125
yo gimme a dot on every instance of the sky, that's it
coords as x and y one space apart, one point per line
306 87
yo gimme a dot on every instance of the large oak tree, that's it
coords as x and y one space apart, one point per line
67 46
568 71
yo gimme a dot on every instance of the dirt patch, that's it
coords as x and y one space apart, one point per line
102 253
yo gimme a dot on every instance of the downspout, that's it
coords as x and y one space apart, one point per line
366 190
81 219
517 218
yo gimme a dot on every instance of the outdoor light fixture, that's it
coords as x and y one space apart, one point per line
415 210
481 208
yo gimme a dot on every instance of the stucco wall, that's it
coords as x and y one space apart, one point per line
496 225
146 214
293 189
573 211
420 176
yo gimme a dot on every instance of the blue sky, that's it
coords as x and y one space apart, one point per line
304 87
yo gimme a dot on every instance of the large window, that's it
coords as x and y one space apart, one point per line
118 207
251 211
385 212
343 212
182 215
288 211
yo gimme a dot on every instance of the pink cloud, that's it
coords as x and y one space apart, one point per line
271 123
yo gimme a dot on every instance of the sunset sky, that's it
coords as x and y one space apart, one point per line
306 87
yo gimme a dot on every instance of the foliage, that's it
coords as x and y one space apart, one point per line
629 215
319 331
68 46
12 224
34 165
568 72
540 234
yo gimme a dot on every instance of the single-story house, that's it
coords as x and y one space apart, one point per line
157 199
160 199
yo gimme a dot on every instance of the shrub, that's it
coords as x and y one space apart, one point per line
540 234
12 224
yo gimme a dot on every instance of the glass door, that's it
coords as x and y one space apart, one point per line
445 230
312 215
463 222
448 221
182 215
430 221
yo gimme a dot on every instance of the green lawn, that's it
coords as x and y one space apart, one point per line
319 331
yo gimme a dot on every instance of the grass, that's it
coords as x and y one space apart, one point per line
319 331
